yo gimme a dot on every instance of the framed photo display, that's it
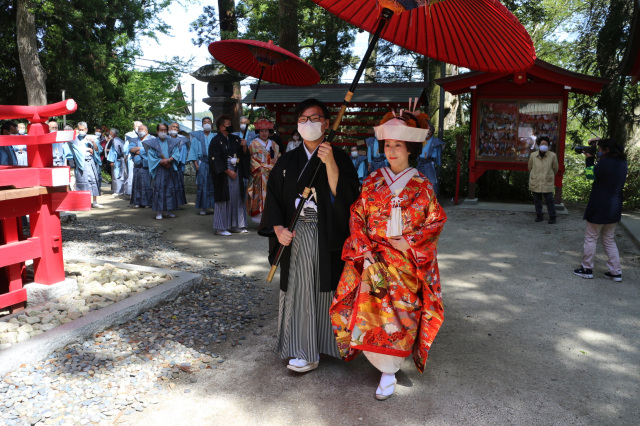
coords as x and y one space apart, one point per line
507 129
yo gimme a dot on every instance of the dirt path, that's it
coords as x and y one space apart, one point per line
524 340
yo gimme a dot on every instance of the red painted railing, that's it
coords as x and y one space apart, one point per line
40 191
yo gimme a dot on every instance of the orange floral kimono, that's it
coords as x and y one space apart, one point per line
393 307
261 165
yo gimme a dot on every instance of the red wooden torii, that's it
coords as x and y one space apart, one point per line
40 191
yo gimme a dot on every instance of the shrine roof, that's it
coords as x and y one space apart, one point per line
366 94
578 83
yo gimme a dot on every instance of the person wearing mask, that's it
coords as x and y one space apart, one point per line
7 153
200 143
163 153
543 166
359 160
21 150
57 147
264 154
141 192
117 160
274 135
431 158
604 209
183 146
85 152
229 168
244 124
375 156
295 141
388 303
128 187
311 262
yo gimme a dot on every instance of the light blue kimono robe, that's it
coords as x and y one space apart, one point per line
118 156
430 160
375 154
141 191
21 154
199 152
87 165
166 188
8 156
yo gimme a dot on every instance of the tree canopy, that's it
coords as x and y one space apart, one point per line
88 49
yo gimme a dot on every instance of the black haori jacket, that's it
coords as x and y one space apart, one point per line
283 188
220 149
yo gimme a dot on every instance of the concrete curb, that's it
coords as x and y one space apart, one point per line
631 224
43 345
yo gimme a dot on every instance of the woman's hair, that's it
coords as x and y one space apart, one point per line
614 150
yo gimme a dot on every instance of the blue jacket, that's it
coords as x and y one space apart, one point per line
605 200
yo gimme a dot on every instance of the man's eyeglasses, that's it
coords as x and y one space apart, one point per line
314 118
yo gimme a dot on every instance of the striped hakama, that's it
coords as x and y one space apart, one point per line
230 214
166 193
141 191
182 194
204 192
89 178
304 326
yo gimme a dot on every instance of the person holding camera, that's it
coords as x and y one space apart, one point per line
543 166
604 209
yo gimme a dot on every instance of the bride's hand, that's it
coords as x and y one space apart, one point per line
399 243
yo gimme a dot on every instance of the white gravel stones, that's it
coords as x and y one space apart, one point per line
98 287
129 367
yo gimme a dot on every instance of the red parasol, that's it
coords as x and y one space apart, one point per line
264 61
478 34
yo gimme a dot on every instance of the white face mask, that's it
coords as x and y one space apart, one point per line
243 126
98 134
173 133
142 134
354 154
162 135
207 127
310 131
21 132
82 133
544 148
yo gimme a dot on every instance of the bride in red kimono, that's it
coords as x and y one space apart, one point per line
388 302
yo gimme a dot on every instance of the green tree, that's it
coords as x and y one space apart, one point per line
325 41
88 48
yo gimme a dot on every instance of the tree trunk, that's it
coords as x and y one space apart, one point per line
288 11
32 70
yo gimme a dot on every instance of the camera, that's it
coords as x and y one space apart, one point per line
592 148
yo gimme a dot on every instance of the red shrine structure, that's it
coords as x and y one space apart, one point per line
508 111
40 191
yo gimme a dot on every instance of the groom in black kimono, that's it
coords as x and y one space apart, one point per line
311 263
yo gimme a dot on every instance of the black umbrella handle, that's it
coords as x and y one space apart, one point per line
255 95
385 15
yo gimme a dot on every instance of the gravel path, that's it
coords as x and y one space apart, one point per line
125 369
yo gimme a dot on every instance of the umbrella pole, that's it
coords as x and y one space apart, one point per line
385 16
255 95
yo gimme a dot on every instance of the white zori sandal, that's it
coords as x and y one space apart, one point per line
301 365
387 386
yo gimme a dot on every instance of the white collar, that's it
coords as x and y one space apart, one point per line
309 154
